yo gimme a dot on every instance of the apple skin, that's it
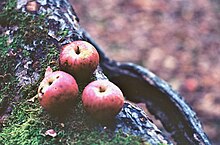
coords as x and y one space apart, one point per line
57 91
80 59
102 99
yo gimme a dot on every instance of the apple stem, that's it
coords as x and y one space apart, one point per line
77 50
102 89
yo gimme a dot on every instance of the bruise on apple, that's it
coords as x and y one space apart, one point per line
102 99
57 91
80 59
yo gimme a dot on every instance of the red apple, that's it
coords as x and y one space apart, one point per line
80 59
102 99
57 91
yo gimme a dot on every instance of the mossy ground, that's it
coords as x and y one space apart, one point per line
28 122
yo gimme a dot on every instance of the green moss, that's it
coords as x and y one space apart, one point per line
22 126
28 123
105 139
7 79
63 33
30 28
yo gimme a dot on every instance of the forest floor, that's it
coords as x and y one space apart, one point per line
177 40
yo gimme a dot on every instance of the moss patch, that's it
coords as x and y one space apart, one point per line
28 124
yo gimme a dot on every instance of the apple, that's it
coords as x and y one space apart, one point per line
102 99
57 91
80 59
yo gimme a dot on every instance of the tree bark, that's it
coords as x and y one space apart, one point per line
138 84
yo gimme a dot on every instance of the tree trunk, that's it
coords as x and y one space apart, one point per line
138 84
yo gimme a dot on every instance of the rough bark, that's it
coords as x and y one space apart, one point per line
137 83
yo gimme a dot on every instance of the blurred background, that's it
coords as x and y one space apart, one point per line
178 40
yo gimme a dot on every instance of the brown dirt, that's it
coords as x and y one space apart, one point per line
177 40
